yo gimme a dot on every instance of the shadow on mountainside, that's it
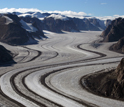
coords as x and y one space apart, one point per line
6 57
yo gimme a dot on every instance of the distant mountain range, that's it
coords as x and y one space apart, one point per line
21 28
56 22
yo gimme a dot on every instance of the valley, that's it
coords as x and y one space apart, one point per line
49 72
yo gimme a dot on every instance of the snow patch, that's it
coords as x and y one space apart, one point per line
8 20
100 28
41 19
25 15
47 32
28 26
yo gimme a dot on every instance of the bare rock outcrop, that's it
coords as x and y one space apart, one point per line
111 84
119 46
114 31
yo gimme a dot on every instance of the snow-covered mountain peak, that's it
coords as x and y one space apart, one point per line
58 16
25 15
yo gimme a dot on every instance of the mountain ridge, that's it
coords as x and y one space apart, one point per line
86 23
15 31
115 33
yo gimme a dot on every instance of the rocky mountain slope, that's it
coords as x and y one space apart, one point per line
11 31
111 84
5 55
114 31
56 22
15 31
119 46
51 24
19 28
86 24
58 25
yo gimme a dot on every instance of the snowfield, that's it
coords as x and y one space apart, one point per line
28 27
8 20
48 74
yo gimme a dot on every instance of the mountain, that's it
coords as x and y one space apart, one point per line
101 24
114 31
92 26
56 22
20 28
111 83
5 55
15 31
11 31
119 46
85 24
58 25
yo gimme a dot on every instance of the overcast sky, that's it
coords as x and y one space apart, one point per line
98 8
